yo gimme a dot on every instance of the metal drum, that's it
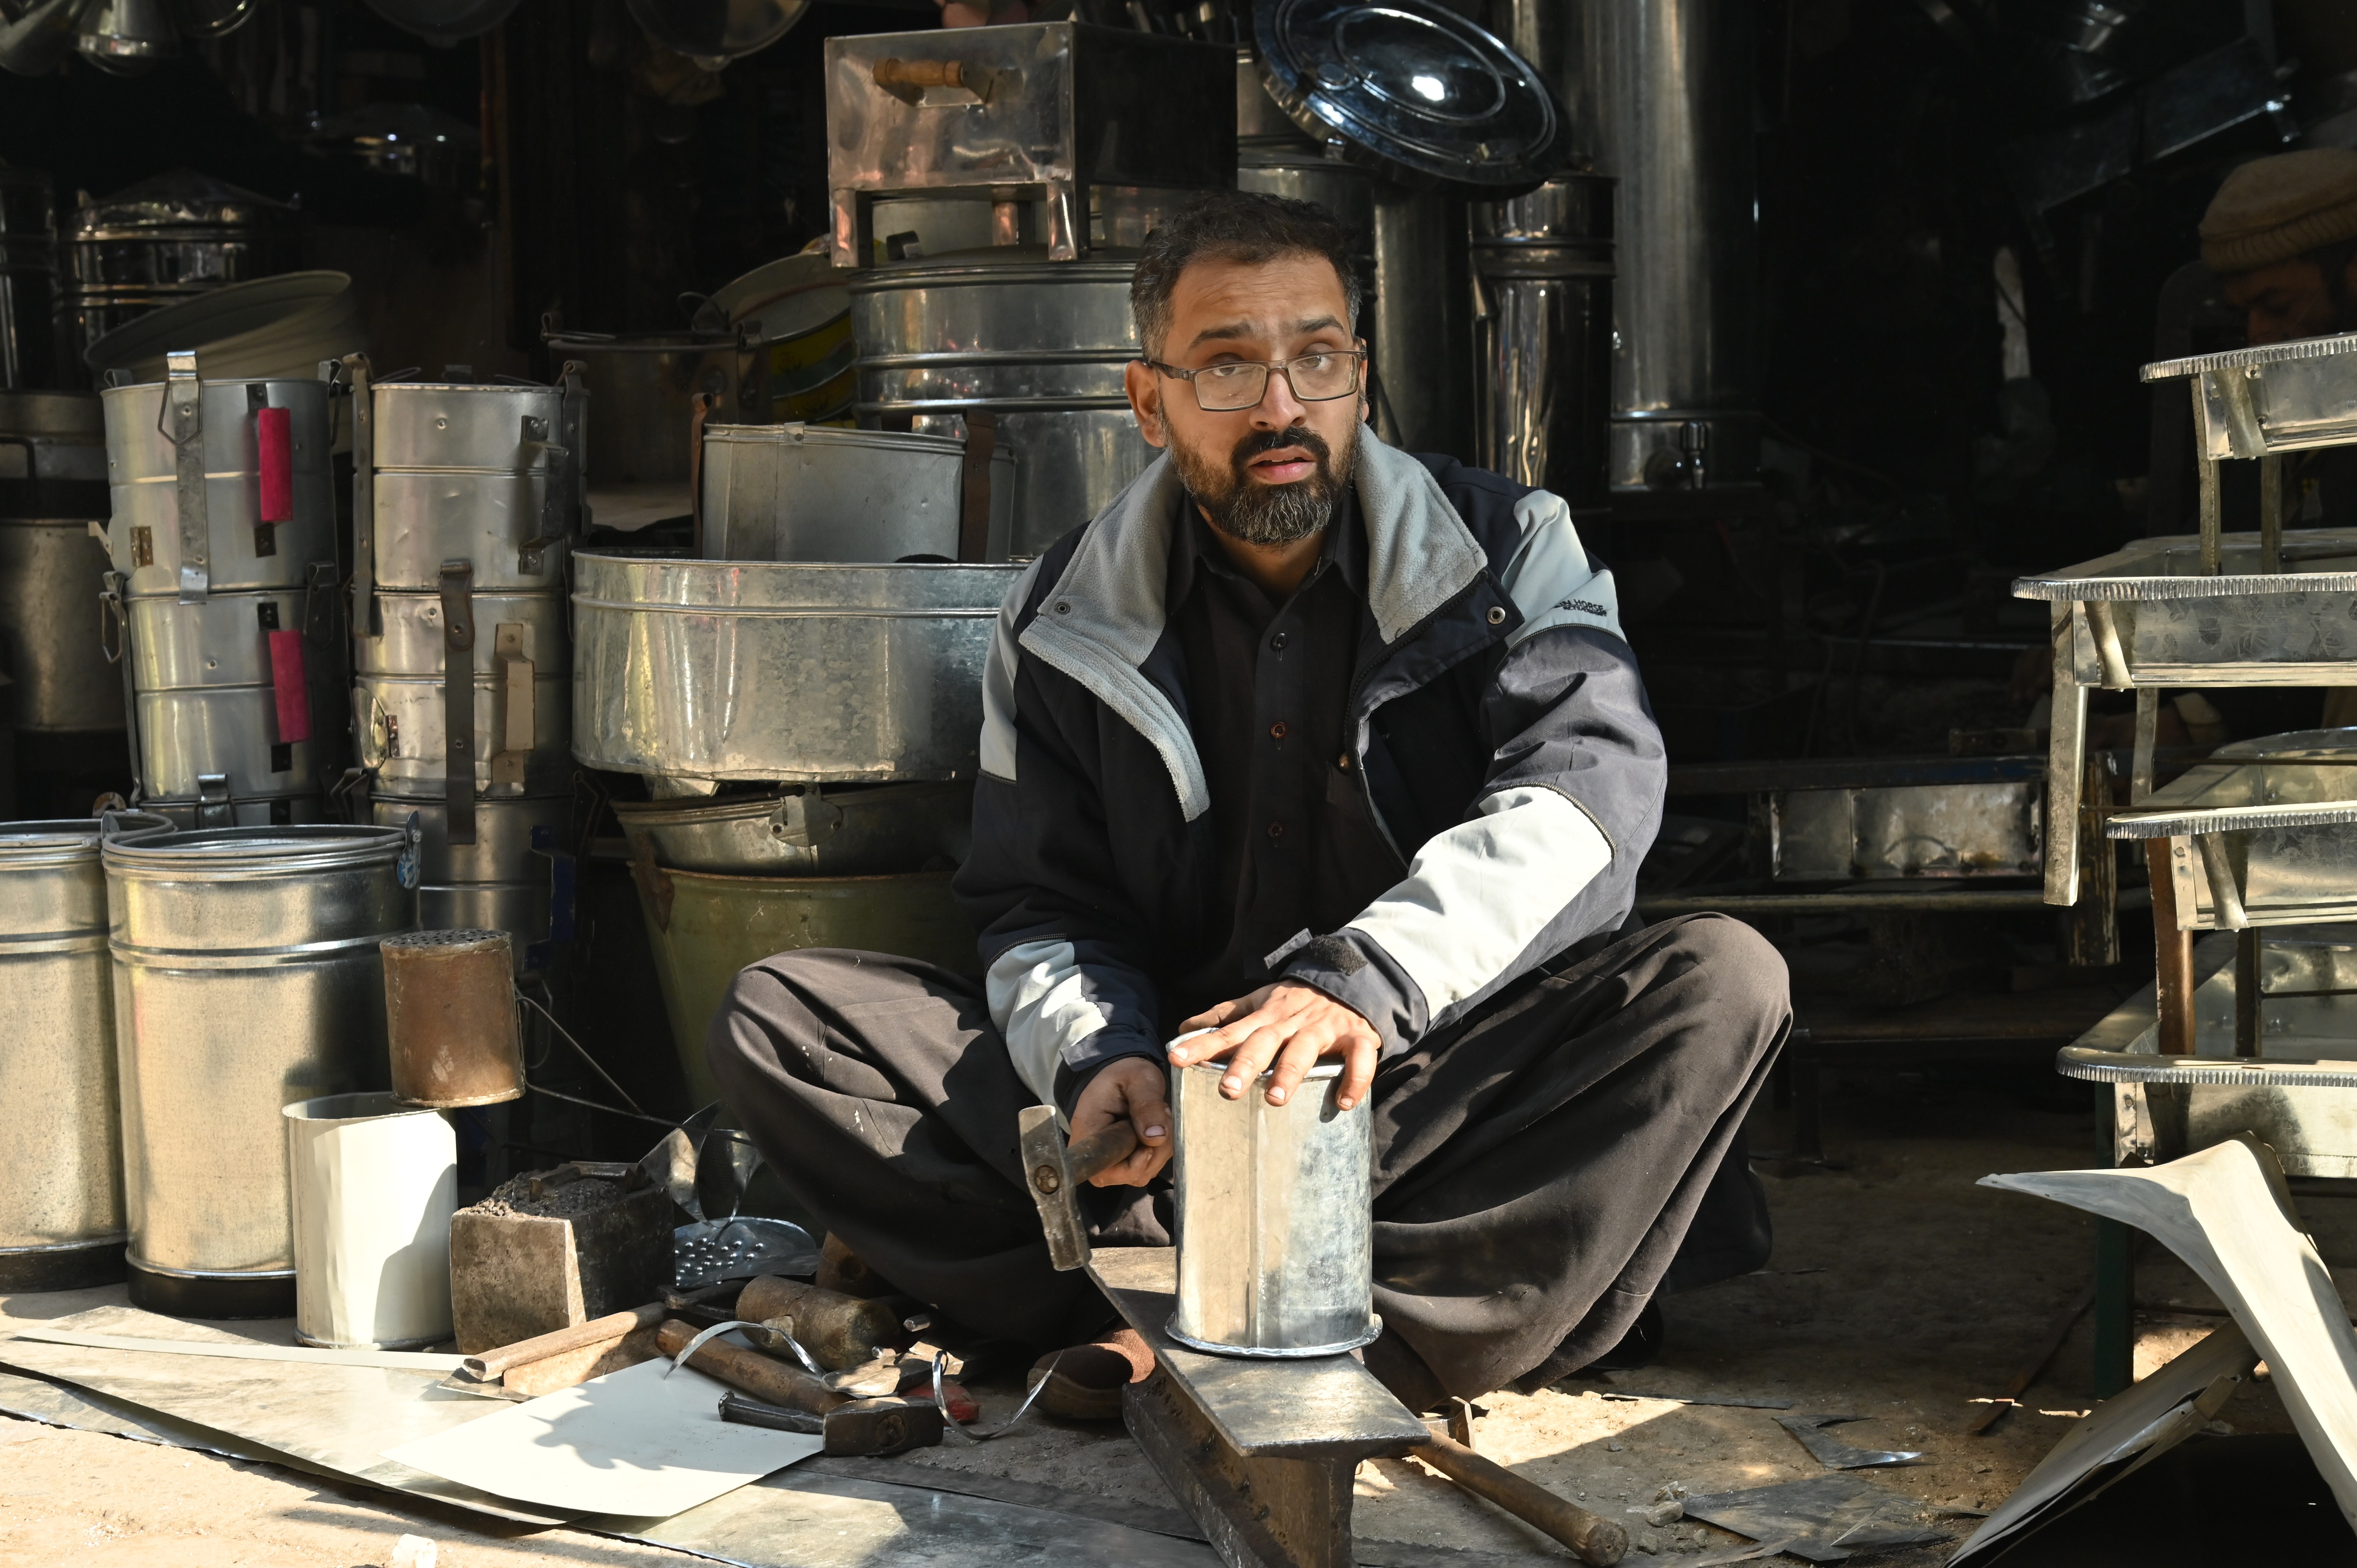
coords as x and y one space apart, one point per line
643 383
1543 266
60 1145
161 241
1276 1218
246 977
234 549
519 664
1040 346
805 674
807 831
52 487
802 492
501 882
28 280
486 474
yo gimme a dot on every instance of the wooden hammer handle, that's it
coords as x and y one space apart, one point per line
1598 1540
1094 1153
749 1371
597 1331
920 73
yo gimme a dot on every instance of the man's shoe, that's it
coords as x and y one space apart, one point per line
1638 1347
1085 1381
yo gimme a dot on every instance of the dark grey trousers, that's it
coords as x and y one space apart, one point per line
1538 1167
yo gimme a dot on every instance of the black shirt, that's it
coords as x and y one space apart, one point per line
1269 690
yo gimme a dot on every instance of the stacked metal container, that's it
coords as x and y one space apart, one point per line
465 498
224 594
50 563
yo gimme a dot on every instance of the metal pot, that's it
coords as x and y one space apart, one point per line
487 474
246 975
807 831
501 882
1276 1218
643 383
800 492
159 513
1544 263
705 928
805 673
28 280
1040 346
61 1223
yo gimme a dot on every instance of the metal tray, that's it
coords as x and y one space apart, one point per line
2263 834
797 671
1962 829
2282 397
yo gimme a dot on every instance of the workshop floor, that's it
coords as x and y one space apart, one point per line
1898 1292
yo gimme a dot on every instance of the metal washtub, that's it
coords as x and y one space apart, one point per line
246 977
802 673
1276 1221
1039 345
805 830
805 492
62 1145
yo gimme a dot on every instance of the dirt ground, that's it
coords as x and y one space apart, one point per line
1899 1293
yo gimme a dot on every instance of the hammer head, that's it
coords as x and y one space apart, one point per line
1048 1175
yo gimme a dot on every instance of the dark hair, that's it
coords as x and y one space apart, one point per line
1235 226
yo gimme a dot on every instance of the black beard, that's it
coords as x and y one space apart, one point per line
1256 513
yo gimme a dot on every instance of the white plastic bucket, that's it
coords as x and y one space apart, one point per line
372 1185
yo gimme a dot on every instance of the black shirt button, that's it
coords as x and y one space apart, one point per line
1276 830
1276 730
1277 642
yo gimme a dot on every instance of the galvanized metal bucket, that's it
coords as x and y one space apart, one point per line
805 674
807 831
246 977
498 883
371 1187
60 1144
1275 1218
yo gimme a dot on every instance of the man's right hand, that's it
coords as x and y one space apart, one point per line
1134 1090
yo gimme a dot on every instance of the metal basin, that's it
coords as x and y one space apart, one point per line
246 977
803 673
1275 1220
802 492
61 1225
806 832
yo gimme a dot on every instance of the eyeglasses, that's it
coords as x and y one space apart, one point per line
1240 383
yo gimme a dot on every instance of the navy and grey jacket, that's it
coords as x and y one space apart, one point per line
1498 724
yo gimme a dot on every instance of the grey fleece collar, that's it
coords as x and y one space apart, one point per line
1108 610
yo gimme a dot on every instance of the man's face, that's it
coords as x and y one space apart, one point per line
1269 474
2285 300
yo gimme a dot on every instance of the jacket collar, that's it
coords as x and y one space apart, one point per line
1107 611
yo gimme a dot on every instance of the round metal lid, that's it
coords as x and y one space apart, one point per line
1413 88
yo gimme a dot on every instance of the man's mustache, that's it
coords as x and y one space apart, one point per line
1300 435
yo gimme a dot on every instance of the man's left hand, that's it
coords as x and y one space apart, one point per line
1291 1025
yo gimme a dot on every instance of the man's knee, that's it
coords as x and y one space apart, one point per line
763 1000
1744 972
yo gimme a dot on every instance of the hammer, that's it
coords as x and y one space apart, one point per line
1054 1173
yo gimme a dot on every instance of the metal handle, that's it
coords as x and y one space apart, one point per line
517 715
806 820
699 409
184 406
974 512
889 72
458 699
364 606
114 594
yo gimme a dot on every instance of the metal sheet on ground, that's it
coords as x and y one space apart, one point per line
55 1405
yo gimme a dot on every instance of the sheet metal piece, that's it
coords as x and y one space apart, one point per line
1831 1452
2118 1437
2227 1212
243 1350
1823 1519
1701 1399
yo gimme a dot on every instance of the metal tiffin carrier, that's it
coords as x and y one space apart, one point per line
221 606
465 499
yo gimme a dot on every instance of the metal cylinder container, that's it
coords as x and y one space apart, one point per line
519 668
644 384
487 474
372 1184
515 877
161 241
806 829
802 673
1040 346
1275 1217
805 492
1661 93
246 977
1543 266
28 282
450 1019
52 489
61 1224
